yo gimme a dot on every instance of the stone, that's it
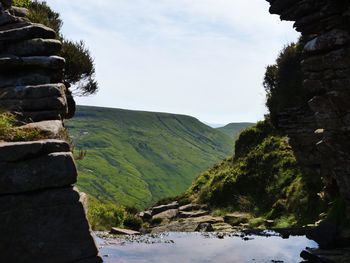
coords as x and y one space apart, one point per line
19 151
199 213
27 32
45 226
35 116
14 62
52 129
48 171
19 11
145 215
38 77
328 41
158 209
191 207
49 103
167 215
7 18
204 227
120 231
33 47
32 92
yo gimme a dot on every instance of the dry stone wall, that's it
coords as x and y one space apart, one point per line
42 218
326 136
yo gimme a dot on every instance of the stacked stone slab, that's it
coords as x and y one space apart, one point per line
326 26
42 219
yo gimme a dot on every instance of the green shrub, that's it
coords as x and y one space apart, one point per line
104 216
9 130
133 222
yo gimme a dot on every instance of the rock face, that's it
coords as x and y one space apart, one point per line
42 218
320 132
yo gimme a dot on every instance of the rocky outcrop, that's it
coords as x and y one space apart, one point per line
321 130
42 215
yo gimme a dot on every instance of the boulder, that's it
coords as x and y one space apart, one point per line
27 32
33 47
51 129
19 11
45 226
19 151
167 215
158 209
32 92
14 62
48 171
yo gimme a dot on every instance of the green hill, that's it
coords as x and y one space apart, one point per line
135 158
234 129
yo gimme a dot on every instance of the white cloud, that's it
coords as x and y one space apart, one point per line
204 58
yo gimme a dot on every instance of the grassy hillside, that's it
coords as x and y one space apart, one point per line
234 129
263 179
136 158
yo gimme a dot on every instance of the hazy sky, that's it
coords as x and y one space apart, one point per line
204 58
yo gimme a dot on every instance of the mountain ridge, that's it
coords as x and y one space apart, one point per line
135 158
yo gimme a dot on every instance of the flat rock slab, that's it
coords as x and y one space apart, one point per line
191 207
158 209
39 104
13 62
32 92
184 214
32 78
47 171
44 115
33 47
46 226
51 129
187 225
27 32
120 231
19 151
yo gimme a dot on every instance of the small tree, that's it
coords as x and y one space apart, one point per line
283 81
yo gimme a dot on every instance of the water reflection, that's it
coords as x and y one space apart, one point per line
201 248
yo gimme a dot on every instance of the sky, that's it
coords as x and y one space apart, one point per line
204 58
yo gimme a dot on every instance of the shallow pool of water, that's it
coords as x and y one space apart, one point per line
201 248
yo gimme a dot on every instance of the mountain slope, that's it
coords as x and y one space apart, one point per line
136 158
234 129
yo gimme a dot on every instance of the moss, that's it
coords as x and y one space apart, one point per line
11 132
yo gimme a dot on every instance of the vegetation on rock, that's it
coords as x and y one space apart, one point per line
11 132
263 179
